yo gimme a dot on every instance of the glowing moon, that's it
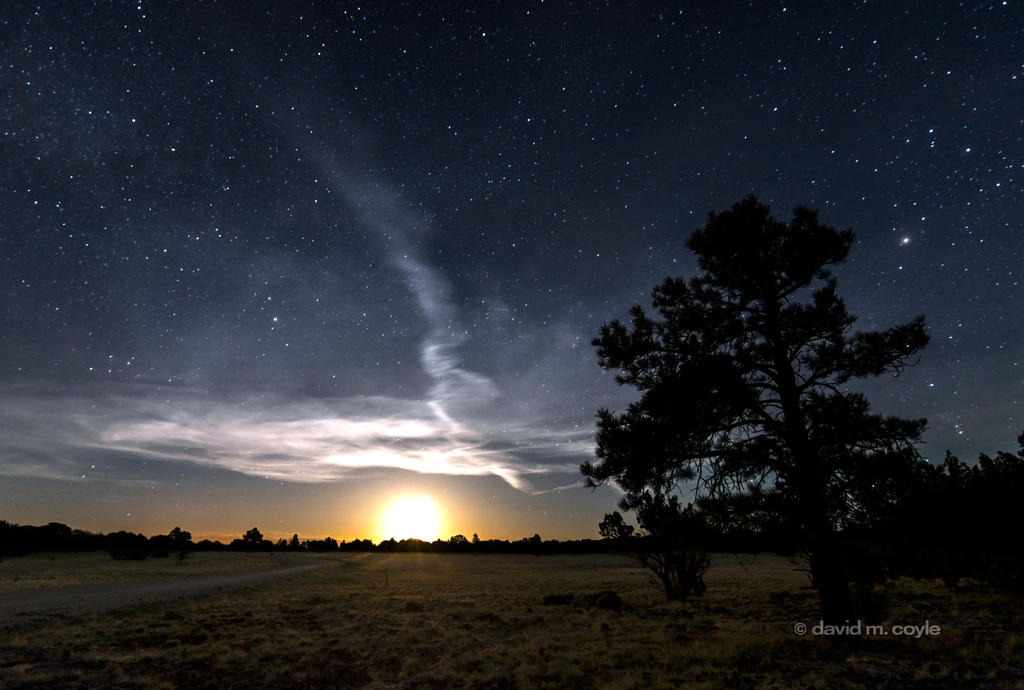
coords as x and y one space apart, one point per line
411 517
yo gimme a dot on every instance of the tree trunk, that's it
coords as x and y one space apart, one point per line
830 581
671 590
811 481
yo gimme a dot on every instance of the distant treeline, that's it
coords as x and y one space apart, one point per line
55 537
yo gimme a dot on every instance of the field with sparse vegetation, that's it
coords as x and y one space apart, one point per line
447 620
41 570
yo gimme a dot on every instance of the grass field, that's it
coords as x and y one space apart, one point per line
37 571
427 620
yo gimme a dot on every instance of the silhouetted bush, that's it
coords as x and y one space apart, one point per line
954 522
674 548
326 545
127 546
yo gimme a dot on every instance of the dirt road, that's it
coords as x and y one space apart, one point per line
27 605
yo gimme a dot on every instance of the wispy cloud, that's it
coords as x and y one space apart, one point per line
378 207
283 440
460 426
295 443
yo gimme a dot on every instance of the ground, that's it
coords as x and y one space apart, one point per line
430 620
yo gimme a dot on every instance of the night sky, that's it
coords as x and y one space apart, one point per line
277 267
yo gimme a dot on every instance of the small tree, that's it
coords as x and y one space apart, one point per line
252 539
536 544
744 397
615 528
180 543
672 547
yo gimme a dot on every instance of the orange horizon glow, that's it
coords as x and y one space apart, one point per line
344 511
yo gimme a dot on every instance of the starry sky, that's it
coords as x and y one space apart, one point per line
274 264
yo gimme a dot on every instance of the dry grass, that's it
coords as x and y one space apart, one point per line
62 569
478 621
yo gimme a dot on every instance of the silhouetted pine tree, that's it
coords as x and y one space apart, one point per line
743 394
